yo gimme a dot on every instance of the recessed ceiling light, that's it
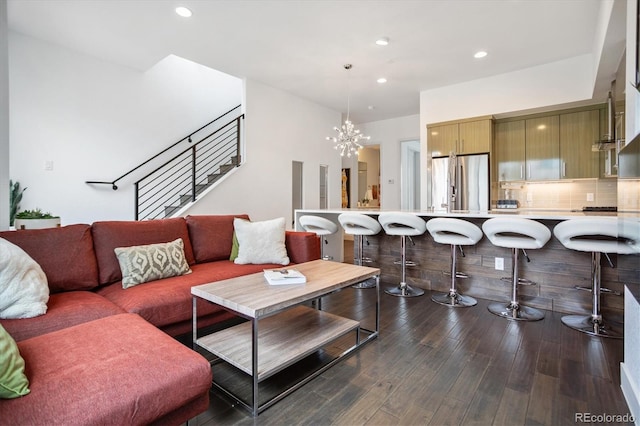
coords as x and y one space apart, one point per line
381 80
382 41
183 11
480 54
371 107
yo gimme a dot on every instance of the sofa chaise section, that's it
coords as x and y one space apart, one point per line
115 370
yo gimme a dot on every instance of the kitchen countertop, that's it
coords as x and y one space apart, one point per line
540 214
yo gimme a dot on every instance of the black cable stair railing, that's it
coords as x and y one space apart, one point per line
180 180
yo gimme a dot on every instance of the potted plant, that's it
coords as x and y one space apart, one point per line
36 219
15 196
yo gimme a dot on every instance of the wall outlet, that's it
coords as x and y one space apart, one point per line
589 196
48 165
500 263
529 196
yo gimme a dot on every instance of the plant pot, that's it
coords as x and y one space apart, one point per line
37 223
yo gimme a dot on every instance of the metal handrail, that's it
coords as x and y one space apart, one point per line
195 168
188 137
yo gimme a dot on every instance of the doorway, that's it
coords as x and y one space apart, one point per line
410 178
296 190
324 186
368 186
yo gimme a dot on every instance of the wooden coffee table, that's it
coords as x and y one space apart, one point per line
280 330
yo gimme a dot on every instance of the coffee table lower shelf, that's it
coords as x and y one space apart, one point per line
283 339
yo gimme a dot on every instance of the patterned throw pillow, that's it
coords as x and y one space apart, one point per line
141 264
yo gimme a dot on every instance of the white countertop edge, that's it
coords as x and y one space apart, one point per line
524 213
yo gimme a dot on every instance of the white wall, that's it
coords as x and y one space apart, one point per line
4 118
279 128
389 134
96 120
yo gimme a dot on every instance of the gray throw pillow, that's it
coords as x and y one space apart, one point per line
141 264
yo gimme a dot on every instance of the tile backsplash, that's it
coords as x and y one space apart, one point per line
564 195
629 194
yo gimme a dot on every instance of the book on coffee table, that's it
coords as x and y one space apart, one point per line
284 276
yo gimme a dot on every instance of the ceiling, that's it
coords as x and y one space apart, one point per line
300 46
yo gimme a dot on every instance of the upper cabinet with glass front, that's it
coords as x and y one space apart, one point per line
470 136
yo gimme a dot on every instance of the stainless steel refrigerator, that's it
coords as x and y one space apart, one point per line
460 182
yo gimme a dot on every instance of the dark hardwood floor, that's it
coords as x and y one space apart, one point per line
434 365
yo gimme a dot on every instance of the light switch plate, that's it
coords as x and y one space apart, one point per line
499 264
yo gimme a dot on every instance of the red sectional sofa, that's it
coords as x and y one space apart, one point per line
106 355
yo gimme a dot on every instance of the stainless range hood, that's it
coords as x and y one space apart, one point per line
608 141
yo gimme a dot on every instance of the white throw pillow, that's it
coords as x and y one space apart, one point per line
24 290
261 242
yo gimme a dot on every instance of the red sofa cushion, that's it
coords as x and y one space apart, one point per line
109 235
212 236
116 370
65 255
302 246
168 301
63 310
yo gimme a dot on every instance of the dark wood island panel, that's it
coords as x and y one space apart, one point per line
554 269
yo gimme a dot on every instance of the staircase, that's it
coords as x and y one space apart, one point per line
179 181
185 199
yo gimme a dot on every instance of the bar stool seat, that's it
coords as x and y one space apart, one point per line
455 232
321 227
404 225
516 234
597 235
360 225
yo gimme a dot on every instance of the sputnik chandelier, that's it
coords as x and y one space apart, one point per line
348 139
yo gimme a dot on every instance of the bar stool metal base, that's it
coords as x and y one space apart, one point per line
587 324
370 283
514 311
404 291
455 300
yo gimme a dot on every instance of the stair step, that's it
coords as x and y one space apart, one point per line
170 210
213 177
226 167
200 189
185 199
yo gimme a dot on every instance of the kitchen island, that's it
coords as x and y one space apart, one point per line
554 269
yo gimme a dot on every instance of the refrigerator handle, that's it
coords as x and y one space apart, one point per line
460 185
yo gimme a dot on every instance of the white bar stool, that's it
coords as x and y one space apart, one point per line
321 227
405 225
455 232
516 234
360 225
597 235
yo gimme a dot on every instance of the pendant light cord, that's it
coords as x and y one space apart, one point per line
348 68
